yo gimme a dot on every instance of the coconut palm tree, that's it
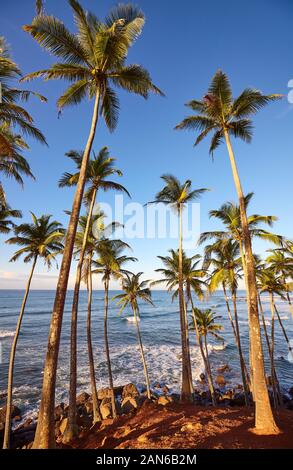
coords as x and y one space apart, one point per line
99 169
13 165
282 265
177 195
12 115
135 290
267 282
218 113
229 215
223 257
109 263
205 324
93 61
40 239
6 213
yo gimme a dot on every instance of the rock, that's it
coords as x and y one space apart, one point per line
165 390
202 377
291 391
63 425
15 411
191 427
220 381
89 407
59 412
165 400
106 392
224 368
106 408
238 400
129 390
130 404
82 398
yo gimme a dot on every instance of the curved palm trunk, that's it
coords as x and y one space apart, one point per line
45 432
6 440
186 387
237 341
267 341
275 382
209 376
209 370
96 412
242 362
264 419
146 374
107 349
72 429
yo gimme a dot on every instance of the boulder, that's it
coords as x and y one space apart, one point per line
106 392
82 398
238 399
106 408
224 368
202 377
165 400
15 411
291 391
129 390
130 404
63 425
59 412
165 390
220 380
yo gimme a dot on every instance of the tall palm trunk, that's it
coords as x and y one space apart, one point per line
275 382
107 349
273 370
45 432
208 365
237 340
6 440
96 412
72 428
199 340
186 387
241 358
146 374
264 419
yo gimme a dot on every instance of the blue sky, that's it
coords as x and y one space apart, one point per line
182 45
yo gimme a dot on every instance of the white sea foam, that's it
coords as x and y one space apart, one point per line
6 334
131 319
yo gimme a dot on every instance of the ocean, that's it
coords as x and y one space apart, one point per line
161 339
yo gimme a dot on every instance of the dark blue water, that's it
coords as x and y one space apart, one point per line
160 331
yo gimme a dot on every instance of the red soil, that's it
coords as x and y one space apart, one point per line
179 426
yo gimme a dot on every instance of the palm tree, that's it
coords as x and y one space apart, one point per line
205 324
133 290
177 195
224 116
13 165
267 282
109 263
282 265
229 215
40 239
223 256
11 113
93 60
92 245
6 224
99 169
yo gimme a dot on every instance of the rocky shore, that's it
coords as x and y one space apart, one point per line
128 400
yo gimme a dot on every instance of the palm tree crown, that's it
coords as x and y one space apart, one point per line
99 169
93 60
218 112
206 321
41 238
134 290
6 224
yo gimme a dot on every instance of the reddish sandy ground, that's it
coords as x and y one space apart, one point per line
186 426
